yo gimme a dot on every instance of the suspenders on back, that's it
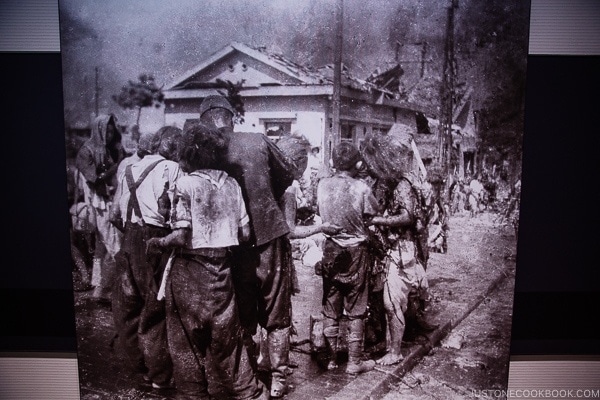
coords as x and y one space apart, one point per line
133 204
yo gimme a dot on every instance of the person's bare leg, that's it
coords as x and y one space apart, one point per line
396 321
396 327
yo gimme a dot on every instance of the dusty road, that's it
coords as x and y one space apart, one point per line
471 362
472 286
473 356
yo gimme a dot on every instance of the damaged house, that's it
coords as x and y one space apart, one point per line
282 97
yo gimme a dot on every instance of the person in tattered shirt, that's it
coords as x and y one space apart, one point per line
209 218
405 285
347 202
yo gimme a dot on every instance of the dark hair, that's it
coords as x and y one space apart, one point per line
387 156
345 156
294 147
166 142
144 146
201 147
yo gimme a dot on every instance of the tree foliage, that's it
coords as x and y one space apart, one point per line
494 55
490 56
232 93
140 94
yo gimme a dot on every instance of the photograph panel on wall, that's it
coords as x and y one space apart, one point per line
429 95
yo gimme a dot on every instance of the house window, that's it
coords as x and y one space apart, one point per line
422 124
347 132
277 128
381 130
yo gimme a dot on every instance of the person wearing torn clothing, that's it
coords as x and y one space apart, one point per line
142 211
405 285
96 165
261 273
348 202
295 148
209 218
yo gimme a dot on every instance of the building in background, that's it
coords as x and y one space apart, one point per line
282 97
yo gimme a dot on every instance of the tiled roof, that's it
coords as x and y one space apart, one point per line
324 74
305 74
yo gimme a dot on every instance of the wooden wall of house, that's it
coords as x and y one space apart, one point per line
307 115
177 111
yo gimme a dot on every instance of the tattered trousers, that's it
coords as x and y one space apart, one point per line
205 335
139 317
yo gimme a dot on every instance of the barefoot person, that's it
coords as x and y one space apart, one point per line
405 287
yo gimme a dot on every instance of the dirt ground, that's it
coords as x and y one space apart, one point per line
472 359
474 356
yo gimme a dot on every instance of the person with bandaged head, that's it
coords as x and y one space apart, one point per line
144 199
95 178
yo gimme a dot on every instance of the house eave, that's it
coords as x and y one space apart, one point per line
296 90
277 91
408 106
234 46
313 90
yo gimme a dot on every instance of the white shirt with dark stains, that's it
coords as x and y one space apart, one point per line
210 203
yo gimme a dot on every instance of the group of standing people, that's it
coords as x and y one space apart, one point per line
473 194
376 263
204 216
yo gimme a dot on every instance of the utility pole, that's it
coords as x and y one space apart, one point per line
334 138
423 57
447 93
96 92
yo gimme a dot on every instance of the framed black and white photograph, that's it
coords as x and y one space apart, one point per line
371 162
